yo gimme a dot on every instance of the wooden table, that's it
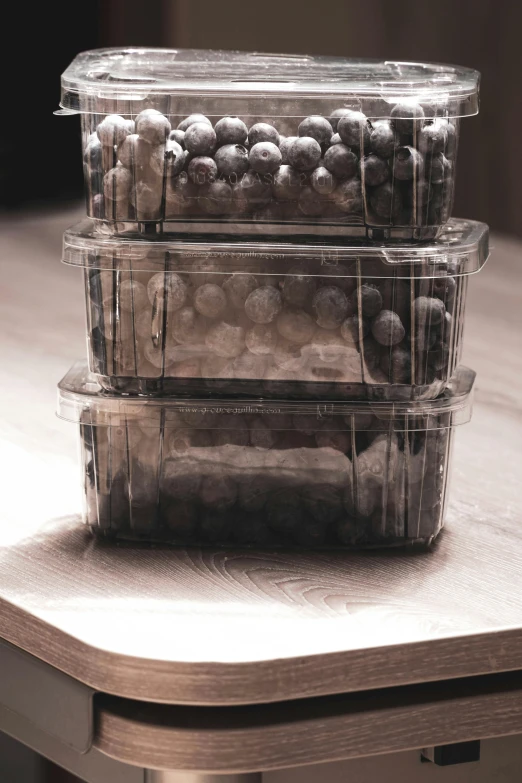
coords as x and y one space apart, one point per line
184 652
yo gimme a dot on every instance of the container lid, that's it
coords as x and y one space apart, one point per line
461 249
96 79
81 399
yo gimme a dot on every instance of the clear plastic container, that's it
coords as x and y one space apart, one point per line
277 474
348 147
325 321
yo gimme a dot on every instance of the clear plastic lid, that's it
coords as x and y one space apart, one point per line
462 249
82 400
128 80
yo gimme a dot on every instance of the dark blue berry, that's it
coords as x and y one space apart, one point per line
438 169
288 183
408 163
178 136
386 201
370 299
354 130
317 128
255 189
432 138
323 181
202 170
383 139
284 144
330 306
347 197
304 153
354 329
264 157
428 310
262 131
152 126
232 161
200 138
387 328
336 115
230 130
397 365
186 123
407 118
216 198
341 161
375 170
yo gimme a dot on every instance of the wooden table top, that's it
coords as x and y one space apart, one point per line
204 627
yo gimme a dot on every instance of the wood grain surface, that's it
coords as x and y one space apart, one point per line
274 736
206 627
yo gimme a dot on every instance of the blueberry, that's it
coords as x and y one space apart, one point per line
288 183
238 287
438 169
174 158
202 170
304 153
439 357
341 161
428 311
186 123
424 338
225 340
264 157
432 137
323 181
386 201
232 161
407 118
336 115
152 126
263 304
295 325
210 300
178 136
114 129
93 155
330 306
167 289
117 184
187 326
261 340
383 139
370 299
157 159
444 288
348 197
288 356
387 328
336 139
216 198
354 129
317 128
285 143
408 163
261 132
200 138
230 130
353 329
299 287
310 203
375 171
132 296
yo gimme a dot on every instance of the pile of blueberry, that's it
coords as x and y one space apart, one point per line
266 479
277 330
344 168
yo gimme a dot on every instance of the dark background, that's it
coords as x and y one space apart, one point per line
40 153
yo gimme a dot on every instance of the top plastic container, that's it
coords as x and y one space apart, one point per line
348 147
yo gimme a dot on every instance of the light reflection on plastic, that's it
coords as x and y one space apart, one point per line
36 488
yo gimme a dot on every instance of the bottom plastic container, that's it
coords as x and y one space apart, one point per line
264 473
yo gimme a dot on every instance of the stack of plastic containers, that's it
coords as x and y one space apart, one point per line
275 296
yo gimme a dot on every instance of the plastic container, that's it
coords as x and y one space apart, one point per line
263 473
393 176
323 321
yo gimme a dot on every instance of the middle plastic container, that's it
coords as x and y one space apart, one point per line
297 320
